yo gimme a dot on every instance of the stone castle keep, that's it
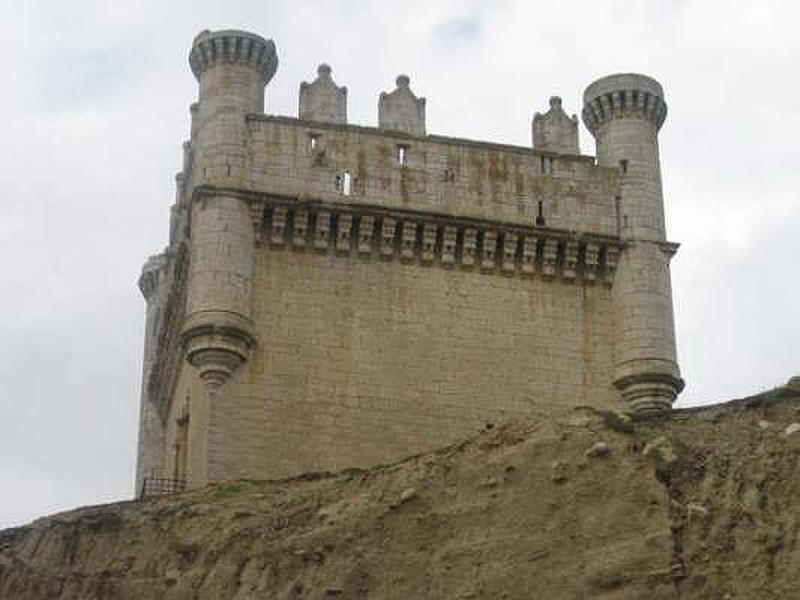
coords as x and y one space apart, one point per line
336 295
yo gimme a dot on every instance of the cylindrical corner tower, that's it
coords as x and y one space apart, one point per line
232 68
624 113
149 456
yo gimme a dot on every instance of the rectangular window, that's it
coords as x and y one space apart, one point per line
402 154
347 183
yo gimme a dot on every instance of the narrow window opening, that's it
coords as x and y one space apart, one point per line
623 166
539 214
347 183
402 154
313 141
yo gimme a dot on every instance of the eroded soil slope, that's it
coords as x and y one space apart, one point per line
704 504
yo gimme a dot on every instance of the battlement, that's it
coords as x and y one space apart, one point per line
622 95
233 47
322 100
151 273
348 164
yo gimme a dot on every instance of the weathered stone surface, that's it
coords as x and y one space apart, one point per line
555 131
401 110
322 100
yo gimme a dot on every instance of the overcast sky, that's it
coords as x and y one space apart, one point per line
95 101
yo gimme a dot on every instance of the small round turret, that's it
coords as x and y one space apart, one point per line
623 95
151 274
232 68
149 455
232 45
624 113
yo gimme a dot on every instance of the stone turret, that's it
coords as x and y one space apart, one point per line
625 113
149 454
555 131
401 110
322 100
232 68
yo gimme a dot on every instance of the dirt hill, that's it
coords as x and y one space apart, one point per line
702 504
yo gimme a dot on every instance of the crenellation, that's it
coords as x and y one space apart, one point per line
555 131
588 205
229 47
322 100
338 295
400 110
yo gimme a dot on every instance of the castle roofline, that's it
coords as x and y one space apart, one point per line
233 46
622 81
399 135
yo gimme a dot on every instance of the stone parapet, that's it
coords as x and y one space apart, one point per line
293 158
401 110
232 46
152 272
555 131
623 95
322 100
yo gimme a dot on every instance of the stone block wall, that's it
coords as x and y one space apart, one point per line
364 361
464 284
440 175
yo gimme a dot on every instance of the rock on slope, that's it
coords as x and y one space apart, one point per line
700 505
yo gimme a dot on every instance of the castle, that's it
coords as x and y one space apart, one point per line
336 295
